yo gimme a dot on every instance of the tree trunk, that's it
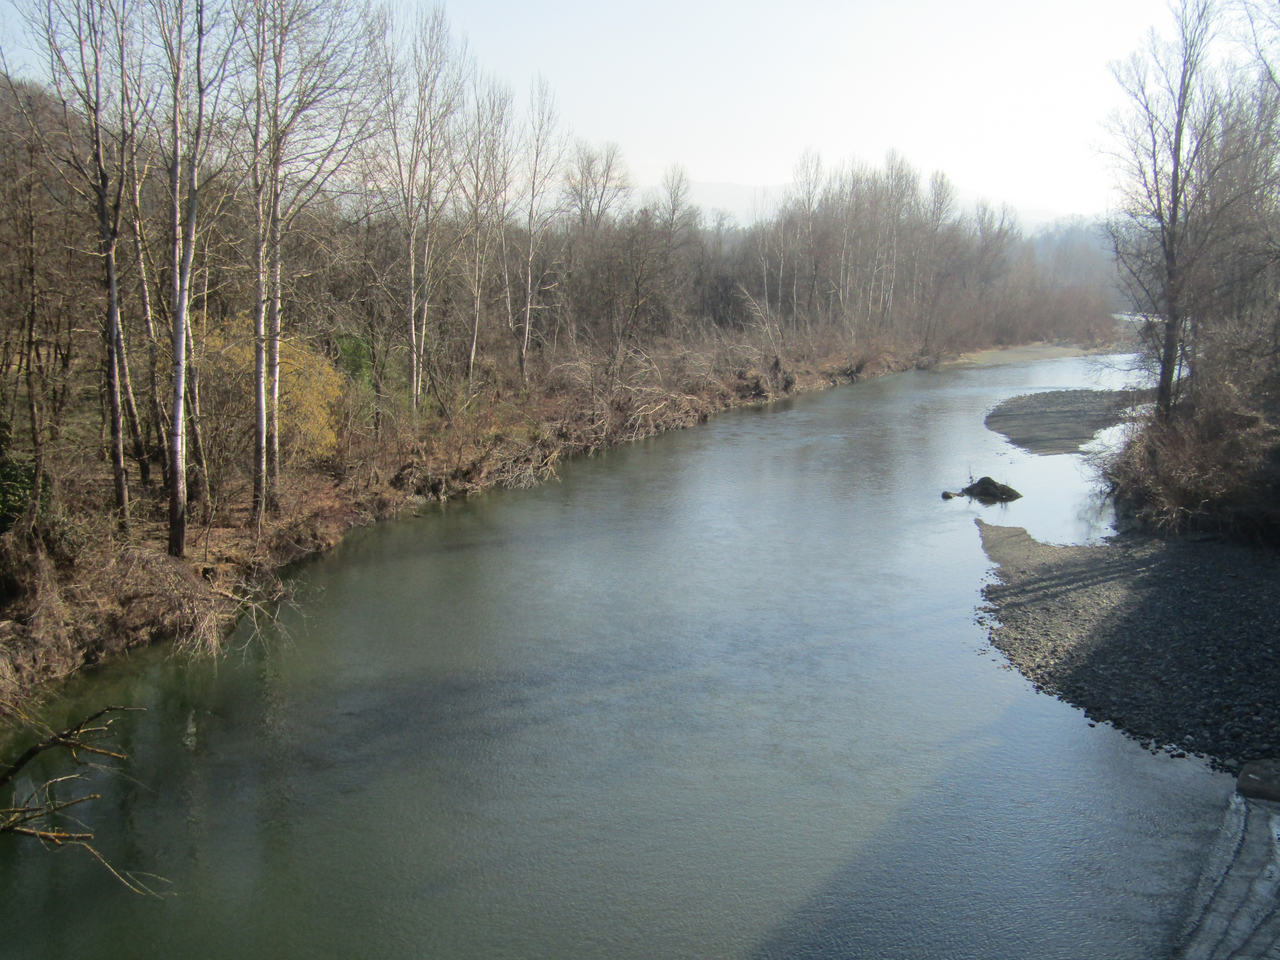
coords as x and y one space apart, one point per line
131 410
193 424
272 500
112 338
258 508
1168 364
153 345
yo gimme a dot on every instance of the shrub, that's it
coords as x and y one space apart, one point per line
310 395
17 480
1204 468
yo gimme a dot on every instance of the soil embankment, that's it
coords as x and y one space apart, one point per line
1175 641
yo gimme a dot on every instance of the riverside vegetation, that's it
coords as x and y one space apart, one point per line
1195 239
270 269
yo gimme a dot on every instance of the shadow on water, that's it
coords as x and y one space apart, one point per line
1006 851
1006 855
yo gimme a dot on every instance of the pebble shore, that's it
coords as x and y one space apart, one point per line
1176 642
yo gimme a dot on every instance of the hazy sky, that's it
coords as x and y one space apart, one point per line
1008 97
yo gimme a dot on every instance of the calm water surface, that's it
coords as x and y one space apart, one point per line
720 694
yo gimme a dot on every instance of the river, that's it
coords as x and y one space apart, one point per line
721 694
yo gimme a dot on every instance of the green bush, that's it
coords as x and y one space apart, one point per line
17 479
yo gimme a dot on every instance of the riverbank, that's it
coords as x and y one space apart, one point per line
1026 352
78 592
1175 641
111 593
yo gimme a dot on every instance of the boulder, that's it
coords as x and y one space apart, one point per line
1260 779
986 490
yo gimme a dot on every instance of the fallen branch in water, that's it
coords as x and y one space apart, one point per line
38 814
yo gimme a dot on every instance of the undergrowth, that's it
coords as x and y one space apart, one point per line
1206 468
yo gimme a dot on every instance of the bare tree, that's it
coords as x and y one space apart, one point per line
420 79
678 220
937 216
1165 139
139 160
484 181
96 77
596 185
806 195
305 70
43 288
196 39
1263 20
543 156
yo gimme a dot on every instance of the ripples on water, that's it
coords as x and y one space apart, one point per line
718 694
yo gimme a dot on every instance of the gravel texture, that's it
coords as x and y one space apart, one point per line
1060 421
1177 642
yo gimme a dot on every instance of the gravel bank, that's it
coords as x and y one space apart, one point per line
1060 421
1176 642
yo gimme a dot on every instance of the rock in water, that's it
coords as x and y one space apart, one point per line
987 490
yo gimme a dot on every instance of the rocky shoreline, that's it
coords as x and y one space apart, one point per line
1176 642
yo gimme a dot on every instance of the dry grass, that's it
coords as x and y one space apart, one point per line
1206 468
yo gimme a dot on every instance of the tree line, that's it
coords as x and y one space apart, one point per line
237 232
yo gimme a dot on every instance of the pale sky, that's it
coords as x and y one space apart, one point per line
1007 97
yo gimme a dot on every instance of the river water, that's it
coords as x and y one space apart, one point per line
721 694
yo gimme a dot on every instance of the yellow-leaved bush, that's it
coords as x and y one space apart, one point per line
310 393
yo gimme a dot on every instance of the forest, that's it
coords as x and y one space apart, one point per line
269 268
